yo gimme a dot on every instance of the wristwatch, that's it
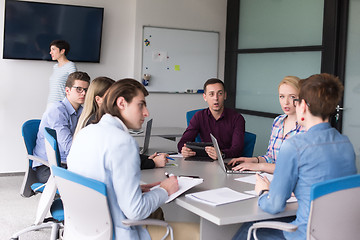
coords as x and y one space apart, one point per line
263 191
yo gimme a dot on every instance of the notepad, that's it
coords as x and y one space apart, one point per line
185 183
218 196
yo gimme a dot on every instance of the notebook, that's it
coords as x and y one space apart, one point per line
224 166
147 137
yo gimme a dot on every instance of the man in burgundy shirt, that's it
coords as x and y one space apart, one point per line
225 124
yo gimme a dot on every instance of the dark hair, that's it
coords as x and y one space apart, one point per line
83 76
61 44
213 81
321 92
127 88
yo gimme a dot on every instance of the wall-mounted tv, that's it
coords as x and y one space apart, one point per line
29 28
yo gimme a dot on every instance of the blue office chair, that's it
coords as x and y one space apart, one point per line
249 138
93 219
189 116
30 186
334 211
249 144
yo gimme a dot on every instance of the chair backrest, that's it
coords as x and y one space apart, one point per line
51 146
335 211
249 138
29 132
249 144
87 214
189 116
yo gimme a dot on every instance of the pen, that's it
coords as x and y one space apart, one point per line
170 158
168 175
189 176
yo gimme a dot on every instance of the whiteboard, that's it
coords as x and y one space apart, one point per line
179 60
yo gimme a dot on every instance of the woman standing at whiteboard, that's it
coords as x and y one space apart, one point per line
61 70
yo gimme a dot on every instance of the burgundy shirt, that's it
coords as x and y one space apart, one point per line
229 130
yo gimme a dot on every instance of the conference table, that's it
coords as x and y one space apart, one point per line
220 222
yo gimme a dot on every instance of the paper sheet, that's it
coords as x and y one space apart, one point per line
218 196
252 178
185 183
290 200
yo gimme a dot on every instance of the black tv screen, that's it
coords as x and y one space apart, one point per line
31 26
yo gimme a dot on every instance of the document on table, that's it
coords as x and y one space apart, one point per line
185 183
252 178
218 196
290 200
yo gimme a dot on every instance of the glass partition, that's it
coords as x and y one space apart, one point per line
258 76
274 23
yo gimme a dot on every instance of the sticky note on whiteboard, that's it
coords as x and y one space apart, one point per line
177 68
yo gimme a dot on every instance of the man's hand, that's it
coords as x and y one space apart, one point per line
187 152
170 184
211 152
262 183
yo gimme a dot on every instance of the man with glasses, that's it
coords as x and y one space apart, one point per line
63 117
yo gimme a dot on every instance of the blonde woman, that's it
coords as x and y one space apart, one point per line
93 100
284 127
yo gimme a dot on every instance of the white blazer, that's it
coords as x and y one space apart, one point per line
106 152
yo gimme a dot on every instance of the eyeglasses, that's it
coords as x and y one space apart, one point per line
80 89
297 100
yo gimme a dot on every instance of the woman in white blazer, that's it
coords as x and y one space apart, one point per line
106 152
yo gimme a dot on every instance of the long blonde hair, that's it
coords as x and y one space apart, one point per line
97 87
292 81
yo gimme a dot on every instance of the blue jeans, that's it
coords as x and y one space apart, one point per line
262 233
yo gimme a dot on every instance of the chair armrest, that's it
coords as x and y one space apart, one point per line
40 160
128 222
276 225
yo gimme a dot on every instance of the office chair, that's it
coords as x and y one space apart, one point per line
29 131
87 214
249 138
189 116
249 144
334 211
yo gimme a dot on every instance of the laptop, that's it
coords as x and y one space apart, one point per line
223 165
147 137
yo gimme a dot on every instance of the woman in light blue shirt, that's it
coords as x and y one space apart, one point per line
320 154
105 151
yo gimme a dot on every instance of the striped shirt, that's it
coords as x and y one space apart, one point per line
58 81
277 137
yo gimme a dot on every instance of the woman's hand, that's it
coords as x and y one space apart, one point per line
238 160
160 159
247 166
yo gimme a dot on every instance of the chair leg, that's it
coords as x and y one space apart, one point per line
54 232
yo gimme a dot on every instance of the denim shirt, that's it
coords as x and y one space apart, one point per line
320 154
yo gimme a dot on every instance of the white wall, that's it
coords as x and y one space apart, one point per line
24 83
